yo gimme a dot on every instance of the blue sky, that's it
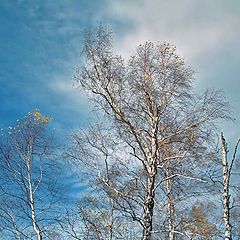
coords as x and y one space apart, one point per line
41 43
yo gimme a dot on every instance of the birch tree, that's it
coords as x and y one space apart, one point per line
27 176
154 115
110 183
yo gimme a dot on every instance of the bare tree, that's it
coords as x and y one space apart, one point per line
99 161
154 116
27 176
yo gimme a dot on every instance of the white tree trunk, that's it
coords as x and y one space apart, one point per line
148 211
226 195
31 196
170 209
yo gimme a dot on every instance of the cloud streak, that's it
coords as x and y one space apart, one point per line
206 34
200 29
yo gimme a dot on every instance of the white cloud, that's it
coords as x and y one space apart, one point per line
200 29
206 34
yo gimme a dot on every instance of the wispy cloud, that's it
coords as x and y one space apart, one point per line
206 34
200 29
41 43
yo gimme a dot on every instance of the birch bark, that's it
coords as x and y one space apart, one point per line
149 206
170 209
227 168
31 194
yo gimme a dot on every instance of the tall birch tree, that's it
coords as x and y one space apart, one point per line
155 118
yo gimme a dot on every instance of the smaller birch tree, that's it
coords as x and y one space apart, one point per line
27 175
